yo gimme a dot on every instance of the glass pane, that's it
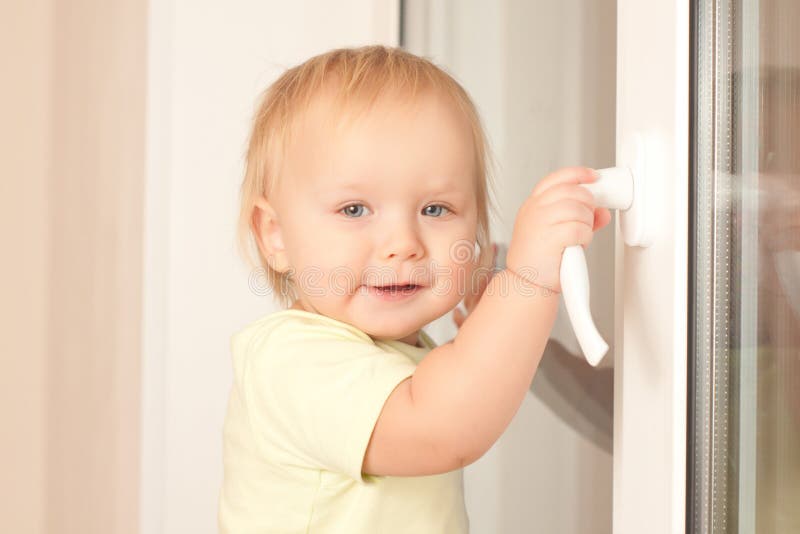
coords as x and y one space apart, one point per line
543 76
744 464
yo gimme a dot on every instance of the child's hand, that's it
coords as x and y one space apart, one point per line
559 213
471 299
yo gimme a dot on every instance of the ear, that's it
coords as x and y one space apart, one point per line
268 235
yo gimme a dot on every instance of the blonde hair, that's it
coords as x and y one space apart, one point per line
362 74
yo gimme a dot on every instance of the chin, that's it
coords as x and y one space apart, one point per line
388 332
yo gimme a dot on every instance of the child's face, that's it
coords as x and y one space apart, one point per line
388 199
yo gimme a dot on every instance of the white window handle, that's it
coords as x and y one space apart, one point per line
614 190
619 188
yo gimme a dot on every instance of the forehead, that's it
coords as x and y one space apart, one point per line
395 136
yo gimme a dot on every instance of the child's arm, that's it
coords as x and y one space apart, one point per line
464 394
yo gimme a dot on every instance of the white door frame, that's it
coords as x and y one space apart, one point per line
651 305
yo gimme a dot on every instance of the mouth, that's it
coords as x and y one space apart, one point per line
401 288
395 291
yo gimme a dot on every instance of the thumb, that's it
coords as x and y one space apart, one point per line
458 317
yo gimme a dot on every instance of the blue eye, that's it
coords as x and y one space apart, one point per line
435 206
355 211
353 214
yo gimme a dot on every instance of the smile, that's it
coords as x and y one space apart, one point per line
397 292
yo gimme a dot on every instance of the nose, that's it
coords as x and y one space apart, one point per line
402 241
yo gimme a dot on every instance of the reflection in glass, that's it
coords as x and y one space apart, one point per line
744 465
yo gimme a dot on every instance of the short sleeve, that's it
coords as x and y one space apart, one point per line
315 391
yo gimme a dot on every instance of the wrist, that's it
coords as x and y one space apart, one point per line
529 277
544 272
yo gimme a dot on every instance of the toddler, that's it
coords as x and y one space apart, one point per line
366 202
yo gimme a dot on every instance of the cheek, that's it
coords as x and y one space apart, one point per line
456 247
338 255
453 263
458 258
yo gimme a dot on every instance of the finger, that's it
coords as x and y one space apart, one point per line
458 317
601 218
468 300
572 175
472 297
571 191
568 210
572 233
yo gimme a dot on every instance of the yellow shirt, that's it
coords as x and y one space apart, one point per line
307 392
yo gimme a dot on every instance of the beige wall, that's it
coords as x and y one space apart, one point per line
25 51
72 165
